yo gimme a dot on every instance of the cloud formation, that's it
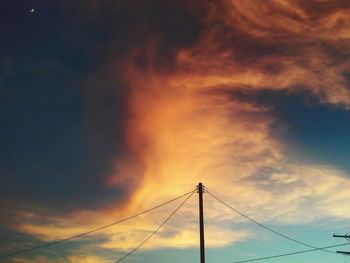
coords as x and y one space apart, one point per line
185 124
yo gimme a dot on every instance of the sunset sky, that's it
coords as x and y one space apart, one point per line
111 107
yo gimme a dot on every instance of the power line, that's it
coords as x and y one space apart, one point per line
266 227
93 230
291 253
155 231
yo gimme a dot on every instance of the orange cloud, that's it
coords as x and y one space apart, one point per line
279 18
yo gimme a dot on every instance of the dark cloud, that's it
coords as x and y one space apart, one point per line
62 106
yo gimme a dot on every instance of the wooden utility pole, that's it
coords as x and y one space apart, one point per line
201 223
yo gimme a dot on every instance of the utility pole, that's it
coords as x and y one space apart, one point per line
348 238
201 223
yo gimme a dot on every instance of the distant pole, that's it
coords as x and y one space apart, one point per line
348 238
201 223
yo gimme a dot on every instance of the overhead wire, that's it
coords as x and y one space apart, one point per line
266 227
93 230
188 194
156 230
291 253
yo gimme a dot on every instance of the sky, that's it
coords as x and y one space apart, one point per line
109 108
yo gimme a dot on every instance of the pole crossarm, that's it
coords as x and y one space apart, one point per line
343 252
343 236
